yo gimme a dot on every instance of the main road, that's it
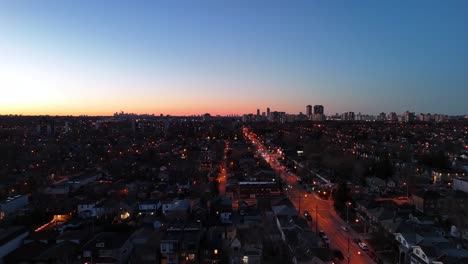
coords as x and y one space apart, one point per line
323 215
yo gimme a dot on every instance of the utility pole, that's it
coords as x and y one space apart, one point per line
349 255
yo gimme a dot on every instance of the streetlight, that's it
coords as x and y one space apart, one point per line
407 189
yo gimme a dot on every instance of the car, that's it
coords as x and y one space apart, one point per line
344 228
307 216
357 240
321 233
363 246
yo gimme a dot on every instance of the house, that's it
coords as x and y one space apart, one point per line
176 209
245 245
444 253
213 245
145 242
408 241
425 255
376 184
221 207
427 202
149 207
180 243
88 208
391 184
200 210
108 247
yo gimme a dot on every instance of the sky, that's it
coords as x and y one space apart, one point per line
232 57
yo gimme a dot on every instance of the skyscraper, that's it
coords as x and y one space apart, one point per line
309 111
268 113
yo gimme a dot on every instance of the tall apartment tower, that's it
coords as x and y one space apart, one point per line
318 113
318 109
309 111
268 113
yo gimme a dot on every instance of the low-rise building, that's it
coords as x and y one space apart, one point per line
460 184
12 204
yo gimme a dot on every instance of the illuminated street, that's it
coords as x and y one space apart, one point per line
328 220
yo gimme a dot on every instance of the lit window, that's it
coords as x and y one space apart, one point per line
245 260
216 252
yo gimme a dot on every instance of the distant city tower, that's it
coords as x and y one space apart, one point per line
309 111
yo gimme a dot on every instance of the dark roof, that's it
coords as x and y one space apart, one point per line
427 194
111 240
10 233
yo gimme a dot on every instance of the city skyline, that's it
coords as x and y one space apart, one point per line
87 58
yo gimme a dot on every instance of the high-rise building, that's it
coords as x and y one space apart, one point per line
318 113
268 113
309 111
408 116
318 109
258 112
348 116
382 117
392 117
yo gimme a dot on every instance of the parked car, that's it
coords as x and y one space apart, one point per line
363 246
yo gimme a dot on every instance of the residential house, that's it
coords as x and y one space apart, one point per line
149 207
213 245
176 209
108 247
245 245
180 243
221 207
427 202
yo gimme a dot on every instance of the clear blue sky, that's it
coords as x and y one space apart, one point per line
191 57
